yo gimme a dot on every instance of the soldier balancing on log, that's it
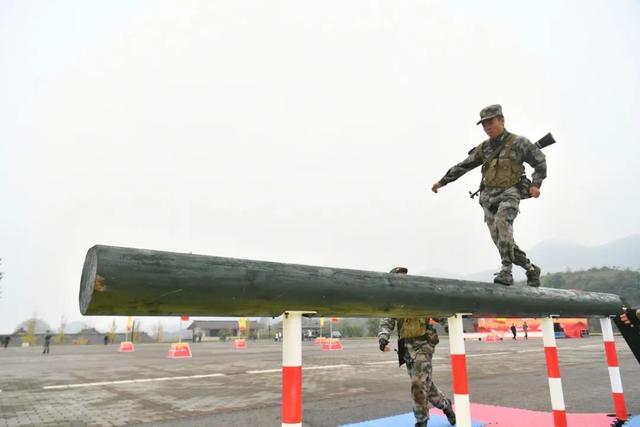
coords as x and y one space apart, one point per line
503 185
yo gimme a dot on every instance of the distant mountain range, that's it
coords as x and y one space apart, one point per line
623 282
559 256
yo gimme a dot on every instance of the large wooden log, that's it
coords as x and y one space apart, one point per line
127 281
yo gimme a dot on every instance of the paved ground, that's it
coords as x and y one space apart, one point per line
97 386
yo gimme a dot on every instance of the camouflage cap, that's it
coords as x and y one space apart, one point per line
490 112
399 270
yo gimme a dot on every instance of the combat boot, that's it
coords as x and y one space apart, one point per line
533 276
503 278
448 411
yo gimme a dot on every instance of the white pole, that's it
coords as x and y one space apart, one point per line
459 371
330 333
553 373
292 369
614 369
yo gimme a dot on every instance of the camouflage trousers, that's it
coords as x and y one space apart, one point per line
501 207
424 391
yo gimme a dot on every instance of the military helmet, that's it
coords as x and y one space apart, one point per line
490 112
399 270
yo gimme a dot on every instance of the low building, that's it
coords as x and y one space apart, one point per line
214 329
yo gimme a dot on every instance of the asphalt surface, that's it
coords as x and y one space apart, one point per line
220 386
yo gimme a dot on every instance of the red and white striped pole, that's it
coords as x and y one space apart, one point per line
459 371
614 369
553 373
292 369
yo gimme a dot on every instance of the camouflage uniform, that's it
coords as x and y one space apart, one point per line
418 352
500 204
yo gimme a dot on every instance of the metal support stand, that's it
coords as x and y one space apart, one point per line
553 373
459 371
292 369
614 369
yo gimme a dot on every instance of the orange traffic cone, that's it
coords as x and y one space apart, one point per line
331 344
179 350
126 347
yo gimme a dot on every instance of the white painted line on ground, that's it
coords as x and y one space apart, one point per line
278 370
304 368
535 350
143 380
491 354
207 376
587 346
310 368
186 377
265 371
381 363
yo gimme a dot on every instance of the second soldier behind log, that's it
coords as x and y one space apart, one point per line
416 344
503 185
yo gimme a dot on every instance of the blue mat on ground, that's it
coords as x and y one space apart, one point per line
408 420
633 422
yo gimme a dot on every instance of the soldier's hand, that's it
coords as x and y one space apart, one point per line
625 319
534 192
435 187
384 344
630 317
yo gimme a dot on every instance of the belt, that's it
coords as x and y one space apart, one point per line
424 337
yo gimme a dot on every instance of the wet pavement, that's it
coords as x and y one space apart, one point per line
97 386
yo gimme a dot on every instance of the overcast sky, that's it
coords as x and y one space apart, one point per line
301 132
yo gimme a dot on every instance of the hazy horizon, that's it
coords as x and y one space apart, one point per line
300 132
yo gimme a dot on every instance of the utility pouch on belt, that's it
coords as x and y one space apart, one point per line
402 350
432 336
523 187
426 342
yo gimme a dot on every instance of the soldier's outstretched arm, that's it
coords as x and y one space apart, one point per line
471 162
386 327
384 333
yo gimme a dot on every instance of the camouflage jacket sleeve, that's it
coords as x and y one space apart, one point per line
386 327
536 158
471 162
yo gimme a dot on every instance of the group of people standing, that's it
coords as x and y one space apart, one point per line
45 350
525 329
